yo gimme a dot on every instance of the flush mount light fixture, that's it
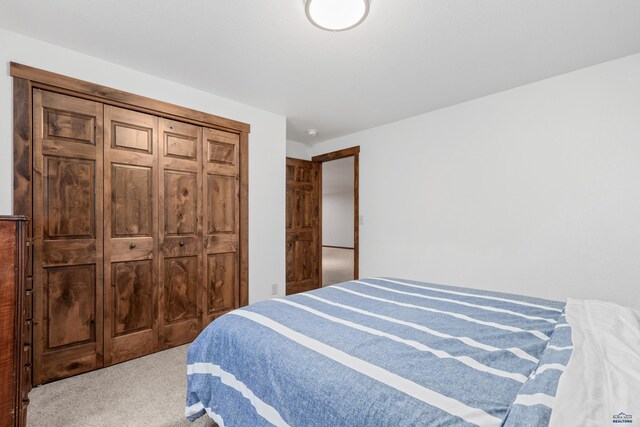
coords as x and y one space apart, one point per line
312 132
337 15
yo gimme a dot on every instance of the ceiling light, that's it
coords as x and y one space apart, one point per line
312 132
337 15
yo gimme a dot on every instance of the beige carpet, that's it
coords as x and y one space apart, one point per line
149 391
337 265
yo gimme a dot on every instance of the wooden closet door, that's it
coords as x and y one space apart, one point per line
130 233
222 222
68 236
181 232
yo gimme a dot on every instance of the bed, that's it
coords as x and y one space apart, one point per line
386 352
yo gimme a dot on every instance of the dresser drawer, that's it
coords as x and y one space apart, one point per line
26 354
28 256
28 304
26 382
27 334
23 412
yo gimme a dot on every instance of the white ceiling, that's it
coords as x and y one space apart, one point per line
407 58
337 176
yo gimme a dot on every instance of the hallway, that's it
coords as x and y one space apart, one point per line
337 265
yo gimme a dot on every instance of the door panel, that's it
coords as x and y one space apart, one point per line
69 198
222 283
70 306
131 252
180 289
180 203
222 215
221 152
69 125
128 136
181 232
221 229
302 222
131 187
184 146
68 235
132 296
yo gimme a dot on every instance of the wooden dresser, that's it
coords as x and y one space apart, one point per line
15 322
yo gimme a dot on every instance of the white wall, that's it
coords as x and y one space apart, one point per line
337 219
298 150
266 143
534 190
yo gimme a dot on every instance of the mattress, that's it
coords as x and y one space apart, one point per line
382 352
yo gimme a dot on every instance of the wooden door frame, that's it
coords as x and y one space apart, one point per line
26 78
335 155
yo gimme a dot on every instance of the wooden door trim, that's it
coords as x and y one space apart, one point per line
26 78
22 149
319 223
335 155
244 219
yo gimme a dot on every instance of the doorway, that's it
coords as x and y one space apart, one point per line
308 251
337 202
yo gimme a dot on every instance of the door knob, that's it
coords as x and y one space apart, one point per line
132 246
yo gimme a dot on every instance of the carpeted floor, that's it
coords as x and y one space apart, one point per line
149 391
337 265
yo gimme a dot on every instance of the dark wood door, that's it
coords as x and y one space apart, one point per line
130 230
180 183
221 192
68 235
303 227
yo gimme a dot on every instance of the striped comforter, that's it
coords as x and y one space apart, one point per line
381 352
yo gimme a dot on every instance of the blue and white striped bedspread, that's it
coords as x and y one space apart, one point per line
381 352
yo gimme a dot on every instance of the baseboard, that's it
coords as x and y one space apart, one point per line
336 247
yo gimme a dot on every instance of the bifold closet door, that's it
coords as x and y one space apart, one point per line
136 224
180 181
67 230
130 229
222 222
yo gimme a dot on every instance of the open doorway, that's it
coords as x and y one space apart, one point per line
335 169
337 201
305 223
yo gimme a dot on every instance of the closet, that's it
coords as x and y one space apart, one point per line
137 233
